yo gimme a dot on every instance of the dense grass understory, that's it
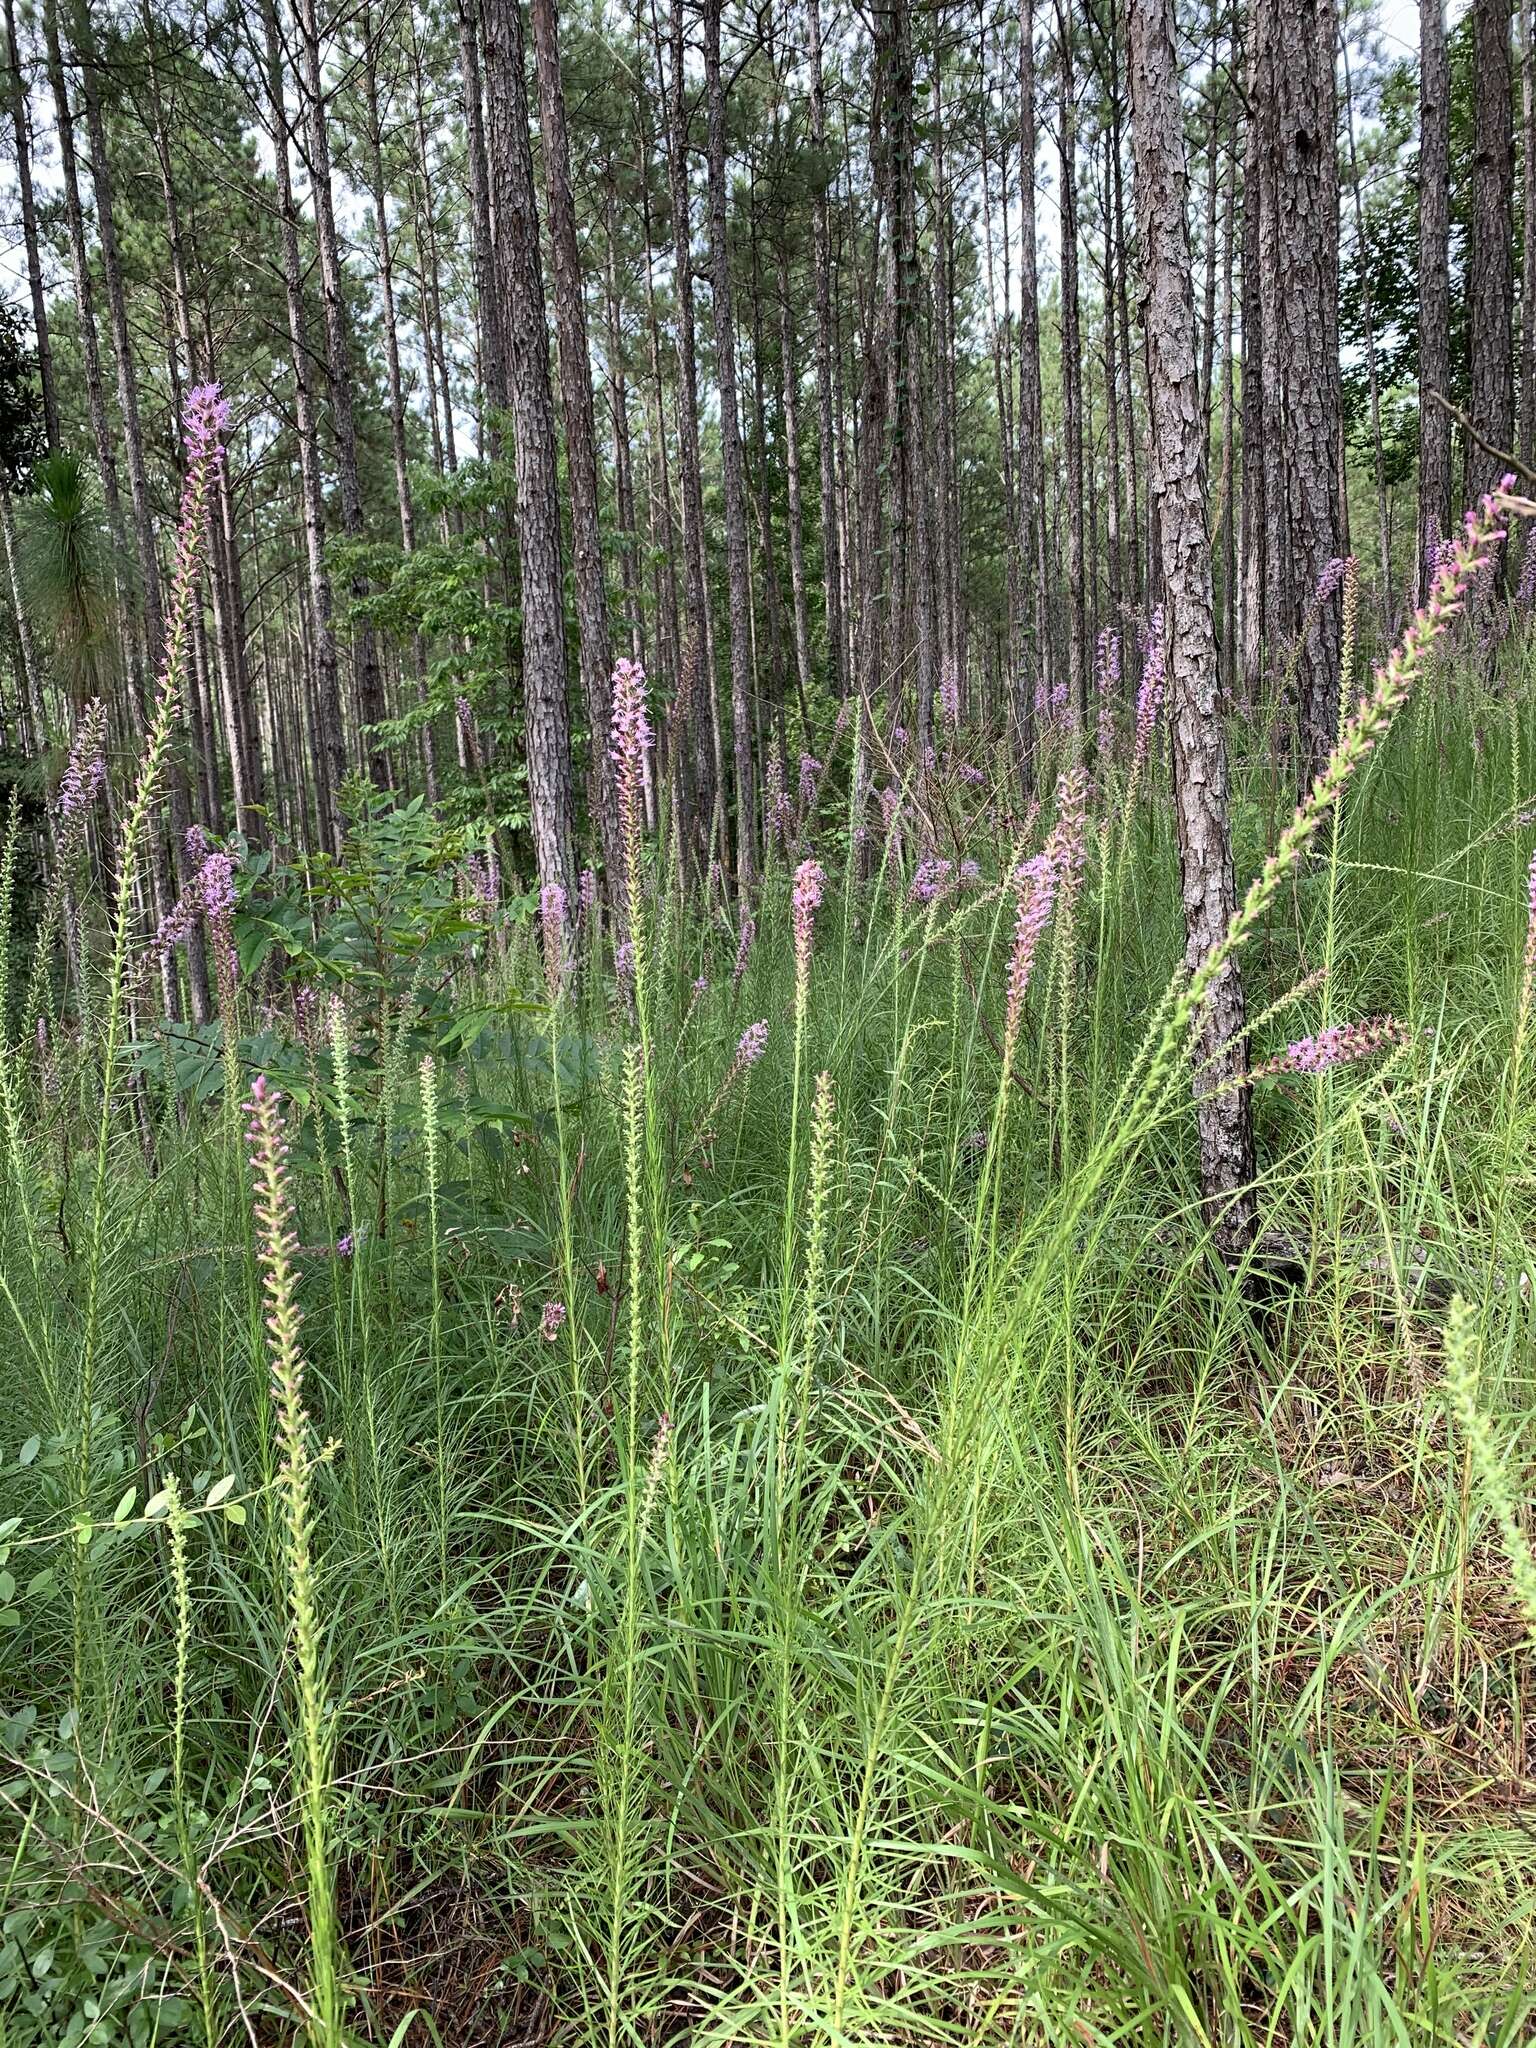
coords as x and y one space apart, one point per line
666 1544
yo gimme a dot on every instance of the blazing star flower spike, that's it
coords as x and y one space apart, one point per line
809 882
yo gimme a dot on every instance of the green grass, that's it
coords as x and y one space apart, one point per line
914 1597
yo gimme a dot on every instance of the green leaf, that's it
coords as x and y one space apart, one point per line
30 1449
156 1505
124 1507
221 1491
235 1513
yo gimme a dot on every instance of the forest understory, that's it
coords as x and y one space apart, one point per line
767 965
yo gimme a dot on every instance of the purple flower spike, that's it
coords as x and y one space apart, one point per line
552 1321
85 776
809 882
752 1045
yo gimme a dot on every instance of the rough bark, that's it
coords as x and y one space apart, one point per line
371 708
1491 258
330 754
524 328
595 642
1434 286
1295 90
1199 748
17 89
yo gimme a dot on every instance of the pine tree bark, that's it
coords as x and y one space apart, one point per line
821 264
1029 465
1295 90
1491 259
1434 287
696 706
595 642
1223 1105
1071 368
371 707
524 329
17 88
330 751
732 469
493 375
1526 424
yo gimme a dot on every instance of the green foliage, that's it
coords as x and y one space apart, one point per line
912 1592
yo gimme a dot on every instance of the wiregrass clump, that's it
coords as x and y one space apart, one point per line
777 1528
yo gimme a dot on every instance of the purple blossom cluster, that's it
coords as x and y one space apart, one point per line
744 939
630 736
1337 1045
809 883
810 774
552 922
552 1321
204 423
777 818
1334 572
483 873
1034 885
752 1044
85 773
1154 677
933 880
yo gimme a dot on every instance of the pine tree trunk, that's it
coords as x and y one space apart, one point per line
1434 287
17 88
1199 749
525 331
821 263
1071 369
330 752
595 642
1296 41
732 470
1491 257
493 375
696 702
1031 544
371 707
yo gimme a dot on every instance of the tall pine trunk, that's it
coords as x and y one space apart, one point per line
1199 748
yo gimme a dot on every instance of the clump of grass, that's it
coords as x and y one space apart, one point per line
907 1592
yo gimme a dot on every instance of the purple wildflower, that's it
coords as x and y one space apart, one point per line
552 909
630 735
204 423
1337 1045
85 774
552 1321
809 881
810 770
1154 674
1035 889
624 964
744 940
1332 576
752 1044
586 892
780 816
484 876
931 881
